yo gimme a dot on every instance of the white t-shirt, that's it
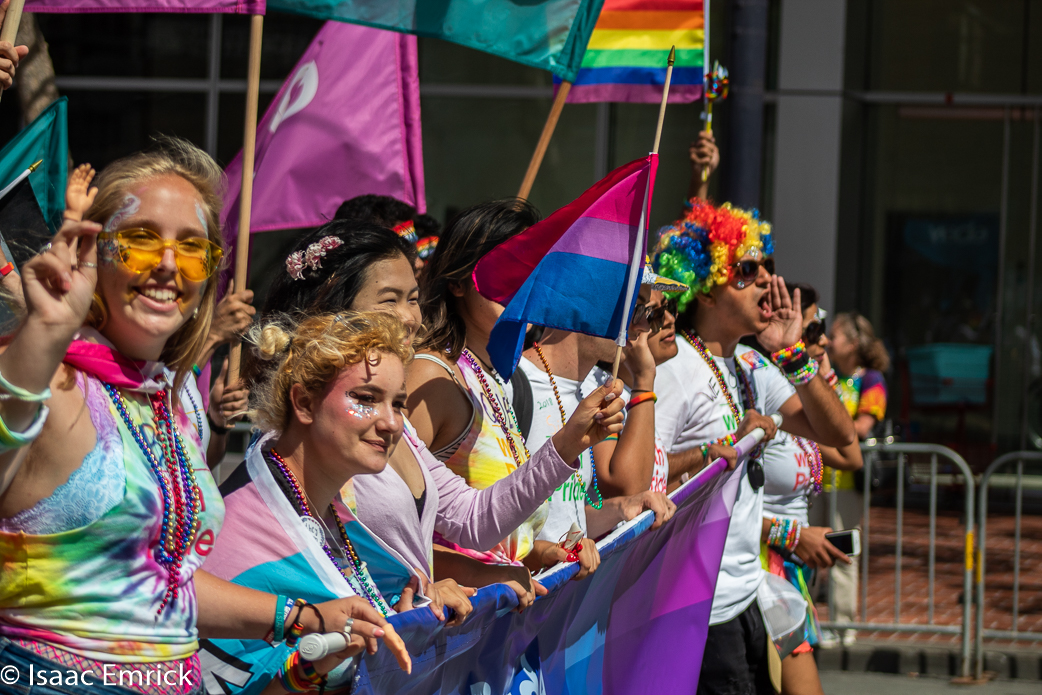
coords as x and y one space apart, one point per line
568 502
660 473
789 481
692 410
192 402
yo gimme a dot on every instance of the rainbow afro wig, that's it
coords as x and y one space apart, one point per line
700 249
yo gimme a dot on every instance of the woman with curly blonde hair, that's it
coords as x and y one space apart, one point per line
330 405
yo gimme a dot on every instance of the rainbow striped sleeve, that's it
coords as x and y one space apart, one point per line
625 59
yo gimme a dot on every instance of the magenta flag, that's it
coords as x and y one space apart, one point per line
345 123
182 6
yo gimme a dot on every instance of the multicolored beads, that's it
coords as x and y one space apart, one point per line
357 570
497 412
599 503
796 364
784 534
176 484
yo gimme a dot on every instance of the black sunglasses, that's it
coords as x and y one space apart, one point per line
813 332
655 317
746 272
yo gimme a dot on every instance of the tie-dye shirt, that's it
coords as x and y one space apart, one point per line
862 393
484 456
88 582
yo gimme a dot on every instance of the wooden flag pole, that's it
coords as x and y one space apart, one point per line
643 221
11 23
707 109
249 142
544 139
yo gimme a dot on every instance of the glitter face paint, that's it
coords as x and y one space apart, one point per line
108 249
360 410
201 214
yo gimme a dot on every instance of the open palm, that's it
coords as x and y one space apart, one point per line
786 325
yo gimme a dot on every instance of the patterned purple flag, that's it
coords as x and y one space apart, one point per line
181 6
345 123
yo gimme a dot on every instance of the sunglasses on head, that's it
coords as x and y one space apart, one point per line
746 271
141 250
655 316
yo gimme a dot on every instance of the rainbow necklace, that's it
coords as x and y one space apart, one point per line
593 464
180 492
371 594
497 412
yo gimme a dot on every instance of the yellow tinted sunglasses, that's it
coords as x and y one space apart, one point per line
141 250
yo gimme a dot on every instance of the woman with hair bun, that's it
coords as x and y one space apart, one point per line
353 265
330 406
107 506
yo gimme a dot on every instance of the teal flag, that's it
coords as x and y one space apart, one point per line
547 34
46 138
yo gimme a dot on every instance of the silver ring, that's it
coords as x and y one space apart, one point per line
46 247
347 628
85 264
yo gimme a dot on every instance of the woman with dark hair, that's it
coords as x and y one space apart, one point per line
353 265
794 468
860 359
457 400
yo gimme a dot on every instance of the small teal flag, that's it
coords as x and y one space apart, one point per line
46 138
547 34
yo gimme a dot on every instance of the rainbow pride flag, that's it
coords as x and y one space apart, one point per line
625 59
577 270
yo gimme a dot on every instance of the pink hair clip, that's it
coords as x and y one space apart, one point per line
310 258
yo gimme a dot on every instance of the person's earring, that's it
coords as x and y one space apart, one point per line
195 314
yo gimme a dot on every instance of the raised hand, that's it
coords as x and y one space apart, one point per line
597 416
638 364
79 195
59 282
786 325
9 55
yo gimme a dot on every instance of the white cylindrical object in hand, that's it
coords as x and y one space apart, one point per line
314 646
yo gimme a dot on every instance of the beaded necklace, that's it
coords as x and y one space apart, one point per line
593 464
358 567
817 466
497 412
196 410
702 350
180 493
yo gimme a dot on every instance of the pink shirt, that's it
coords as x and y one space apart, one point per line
472 518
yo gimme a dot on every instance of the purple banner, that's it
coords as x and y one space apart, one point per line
637 625
177 6
345 123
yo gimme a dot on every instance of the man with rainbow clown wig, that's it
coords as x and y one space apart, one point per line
716 391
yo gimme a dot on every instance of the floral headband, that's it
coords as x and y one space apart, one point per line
311 257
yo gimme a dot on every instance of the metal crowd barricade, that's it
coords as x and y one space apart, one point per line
1017 457
872 450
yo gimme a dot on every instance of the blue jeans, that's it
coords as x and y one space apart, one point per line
23 672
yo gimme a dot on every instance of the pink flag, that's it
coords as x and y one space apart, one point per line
345 123
182 6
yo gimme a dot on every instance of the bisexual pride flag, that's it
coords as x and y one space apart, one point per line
578 270
625 59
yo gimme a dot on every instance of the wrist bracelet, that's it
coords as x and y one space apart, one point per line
215 428
279 626
642 398
296 628
6 269
804 374
831 377
19 394
290 679
9 441
784 534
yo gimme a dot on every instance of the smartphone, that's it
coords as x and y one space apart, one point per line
848 541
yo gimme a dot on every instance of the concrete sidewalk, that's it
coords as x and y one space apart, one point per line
904 657
849 683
